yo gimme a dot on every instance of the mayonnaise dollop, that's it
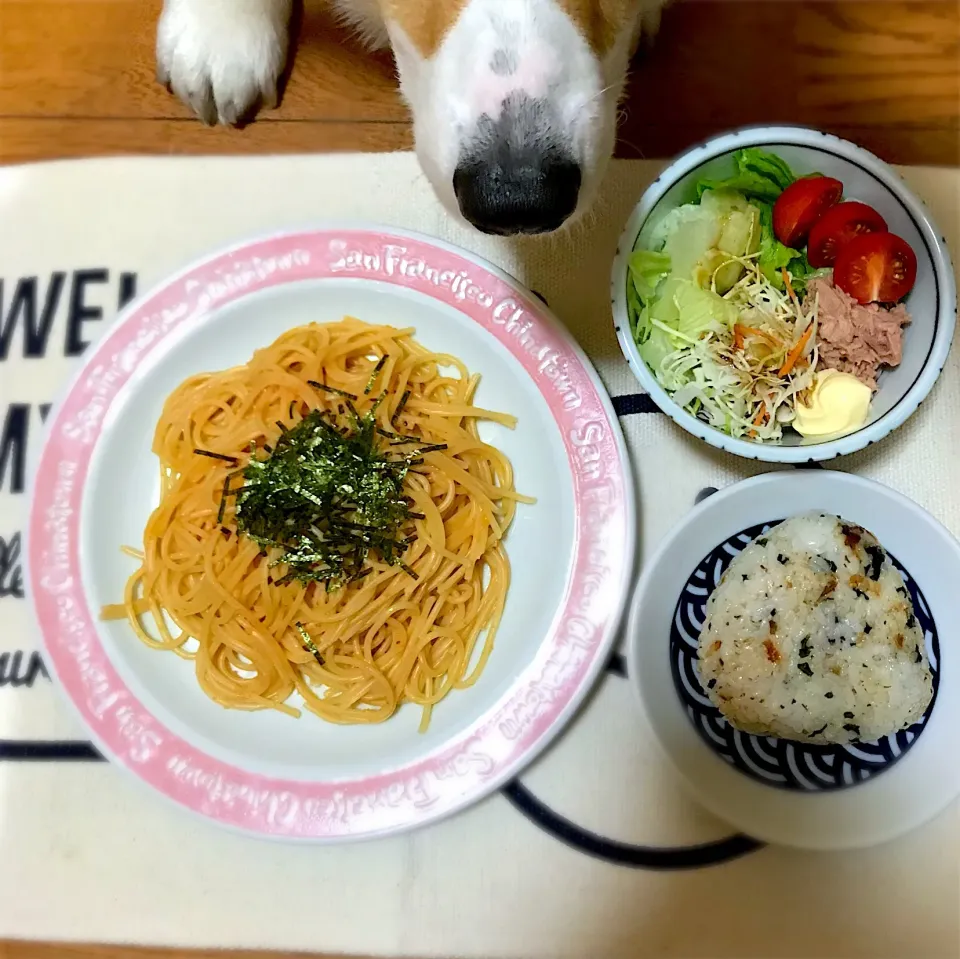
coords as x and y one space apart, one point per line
839 404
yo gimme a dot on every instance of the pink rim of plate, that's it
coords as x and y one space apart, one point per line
544 696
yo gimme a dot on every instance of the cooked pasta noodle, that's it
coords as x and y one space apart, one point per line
405 632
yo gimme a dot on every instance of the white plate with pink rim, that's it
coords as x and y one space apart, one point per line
571 553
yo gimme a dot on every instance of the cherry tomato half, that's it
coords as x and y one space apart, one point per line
801 205
876 268
837 227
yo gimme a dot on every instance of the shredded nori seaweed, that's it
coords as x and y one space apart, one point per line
877 559
327 498
308 643
373 376
400 406
217 456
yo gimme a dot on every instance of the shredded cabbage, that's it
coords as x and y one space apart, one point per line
733 373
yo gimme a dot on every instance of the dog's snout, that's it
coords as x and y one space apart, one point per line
522 194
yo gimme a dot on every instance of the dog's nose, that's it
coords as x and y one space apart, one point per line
510 196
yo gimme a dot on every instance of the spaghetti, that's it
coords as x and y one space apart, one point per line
408 621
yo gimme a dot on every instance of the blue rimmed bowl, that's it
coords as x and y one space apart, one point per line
776 790
780 762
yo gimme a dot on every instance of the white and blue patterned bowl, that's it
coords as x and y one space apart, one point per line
932 303
772 789
780 762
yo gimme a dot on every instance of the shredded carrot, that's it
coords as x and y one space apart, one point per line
791 361
761 417
738 336
786 281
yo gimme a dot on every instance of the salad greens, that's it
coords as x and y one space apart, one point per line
775 257
714 301
760 176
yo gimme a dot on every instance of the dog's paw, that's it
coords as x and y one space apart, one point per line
223 58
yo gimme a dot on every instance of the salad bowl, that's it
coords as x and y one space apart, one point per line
743 173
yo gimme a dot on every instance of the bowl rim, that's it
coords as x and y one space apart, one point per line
726 143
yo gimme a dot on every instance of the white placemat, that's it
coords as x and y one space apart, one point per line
596 852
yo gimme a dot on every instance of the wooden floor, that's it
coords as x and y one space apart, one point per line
76 79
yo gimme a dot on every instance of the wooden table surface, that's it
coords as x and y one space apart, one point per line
18 950
76 79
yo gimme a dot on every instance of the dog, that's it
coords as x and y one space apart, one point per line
514 102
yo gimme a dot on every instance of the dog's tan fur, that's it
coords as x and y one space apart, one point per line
600 21
425 22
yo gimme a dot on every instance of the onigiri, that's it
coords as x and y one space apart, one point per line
811 635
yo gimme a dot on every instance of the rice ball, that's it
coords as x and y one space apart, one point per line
811 635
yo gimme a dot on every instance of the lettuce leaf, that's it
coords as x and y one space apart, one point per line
656 347
681 313
647 269
701 241
689 309
686 234
677 319
759 175
698 310
774 256
766 164
637 314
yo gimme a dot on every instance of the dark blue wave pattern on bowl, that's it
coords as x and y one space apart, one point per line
780 762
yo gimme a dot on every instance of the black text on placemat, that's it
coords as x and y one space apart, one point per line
41 316
40 313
